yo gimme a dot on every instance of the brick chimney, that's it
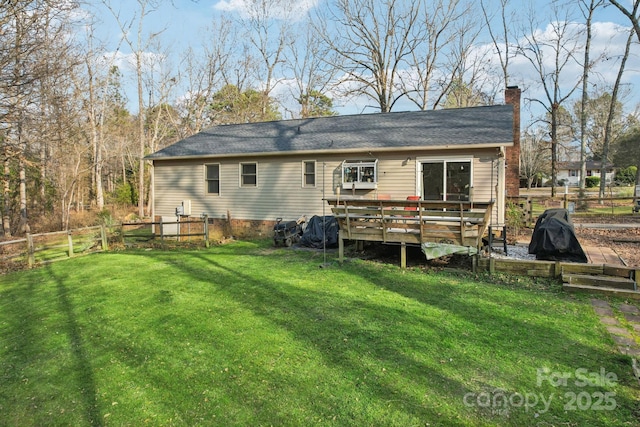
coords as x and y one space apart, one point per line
512 157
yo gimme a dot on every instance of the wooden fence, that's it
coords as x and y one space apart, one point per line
532 206
181 230
44 248
36 249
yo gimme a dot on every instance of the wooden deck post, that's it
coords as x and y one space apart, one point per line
403 255
340 246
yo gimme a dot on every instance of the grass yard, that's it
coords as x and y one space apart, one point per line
245 334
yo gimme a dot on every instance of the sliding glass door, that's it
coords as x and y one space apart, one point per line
446 180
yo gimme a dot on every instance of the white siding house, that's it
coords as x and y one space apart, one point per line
263 171
569 172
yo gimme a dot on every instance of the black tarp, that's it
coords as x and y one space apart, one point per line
554 238
320 229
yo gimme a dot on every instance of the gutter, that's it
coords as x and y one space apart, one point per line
329 152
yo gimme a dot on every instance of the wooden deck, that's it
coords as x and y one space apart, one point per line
411 222
602 255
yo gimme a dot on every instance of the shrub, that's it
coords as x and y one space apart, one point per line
514 217
592 181
626 176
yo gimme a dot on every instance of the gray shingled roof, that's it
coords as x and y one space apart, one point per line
482 126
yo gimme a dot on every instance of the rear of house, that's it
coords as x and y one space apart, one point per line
245 176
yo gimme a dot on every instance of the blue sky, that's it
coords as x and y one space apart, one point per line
183 24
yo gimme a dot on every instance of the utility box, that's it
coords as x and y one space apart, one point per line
186 207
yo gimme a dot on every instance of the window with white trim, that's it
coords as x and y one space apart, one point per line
446 179
248 174
360 174
212 177
309 173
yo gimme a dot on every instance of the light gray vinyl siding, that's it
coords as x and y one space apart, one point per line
280 193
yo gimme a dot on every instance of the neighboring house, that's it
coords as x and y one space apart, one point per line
256 172
569 172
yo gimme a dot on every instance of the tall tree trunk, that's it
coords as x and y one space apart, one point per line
554 148
22 176
612 107
141 137
585 95
6 195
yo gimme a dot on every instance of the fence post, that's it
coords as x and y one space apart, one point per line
205 227
70 240
31 259
103 237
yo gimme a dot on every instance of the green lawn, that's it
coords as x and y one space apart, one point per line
244 334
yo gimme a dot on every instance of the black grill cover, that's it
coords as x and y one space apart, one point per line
554 238
314 234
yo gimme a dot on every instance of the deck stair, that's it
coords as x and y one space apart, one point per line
604 279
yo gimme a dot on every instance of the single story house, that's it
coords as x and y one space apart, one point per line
247 175
569 172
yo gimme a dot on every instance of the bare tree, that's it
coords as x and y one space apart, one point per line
441 24
268 27
204 75
307 60
633 14
138 46
588 8
374 41
501 35
611 113
552 54
34 59
534 156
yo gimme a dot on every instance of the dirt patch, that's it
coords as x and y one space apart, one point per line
624 241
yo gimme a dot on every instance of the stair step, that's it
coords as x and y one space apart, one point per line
599 280
627 293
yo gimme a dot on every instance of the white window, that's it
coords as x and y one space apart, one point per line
248 174
212 177
573 173
360 174
309 173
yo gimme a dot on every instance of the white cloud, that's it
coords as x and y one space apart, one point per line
126 62
278 9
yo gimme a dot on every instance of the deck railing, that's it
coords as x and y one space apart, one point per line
461 223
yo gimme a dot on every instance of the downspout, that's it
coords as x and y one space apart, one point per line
501 187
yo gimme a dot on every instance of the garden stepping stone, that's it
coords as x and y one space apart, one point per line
631 309
599 303
624 341
616 330
632 318
622 336
607 320
603 311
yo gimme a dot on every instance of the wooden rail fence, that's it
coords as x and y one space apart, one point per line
45 248
181 230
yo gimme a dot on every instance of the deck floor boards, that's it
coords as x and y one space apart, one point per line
600 255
